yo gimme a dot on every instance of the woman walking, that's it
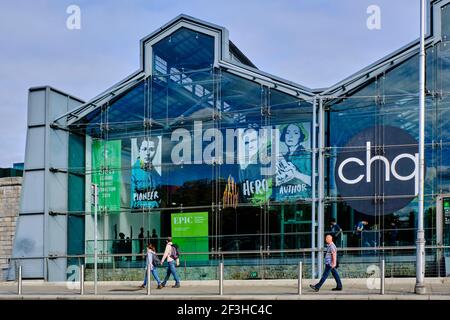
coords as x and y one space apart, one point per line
151 263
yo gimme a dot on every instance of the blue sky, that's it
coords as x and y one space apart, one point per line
315 43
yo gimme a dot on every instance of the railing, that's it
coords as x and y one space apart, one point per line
276 241
286 240
290 264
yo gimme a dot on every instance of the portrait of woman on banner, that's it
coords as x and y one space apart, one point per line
293 175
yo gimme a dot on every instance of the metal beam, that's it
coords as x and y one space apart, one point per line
321 196
313 190
420 243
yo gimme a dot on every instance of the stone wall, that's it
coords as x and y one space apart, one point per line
9 210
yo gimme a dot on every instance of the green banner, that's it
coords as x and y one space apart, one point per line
106 164
190 233
447 211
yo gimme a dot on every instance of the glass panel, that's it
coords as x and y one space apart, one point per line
402 79
290 226
183 50
445 22
128 110
443 66
124 114
239 95
442 123
395 229
76 197
242 228
182 97
353 114
443 169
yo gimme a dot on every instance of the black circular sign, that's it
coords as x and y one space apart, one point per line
377 172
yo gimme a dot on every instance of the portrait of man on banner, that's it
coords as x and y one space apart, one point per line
145 172
293 174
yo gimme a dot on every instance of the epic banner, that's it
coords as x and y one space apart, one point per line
190 233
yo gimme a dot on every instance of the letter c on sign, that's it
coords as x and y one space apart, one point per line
341 167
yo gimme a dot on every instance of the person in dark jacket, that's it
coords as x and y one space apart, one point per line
336 232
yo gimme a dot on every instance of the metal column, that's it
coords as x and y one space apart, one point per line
95 191
149 284
19 281
221 278
383 276
300 277
82 279
321 197
420 243
313 191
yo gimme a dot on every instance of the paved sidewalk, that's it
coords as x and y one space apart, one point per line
354 289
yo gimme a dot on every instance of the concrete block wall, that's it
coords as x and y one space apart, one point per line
10 189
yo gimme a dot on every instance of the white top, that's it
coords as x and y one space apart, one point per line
167 253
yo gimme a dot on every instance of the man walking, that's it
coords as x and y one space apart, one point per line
171 261
330 266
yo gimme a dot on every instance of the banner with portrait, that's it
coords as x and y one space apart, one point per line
294 162
146 172
254 153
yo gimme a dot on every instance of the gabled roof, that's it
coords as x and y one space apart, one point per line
240 65
227 48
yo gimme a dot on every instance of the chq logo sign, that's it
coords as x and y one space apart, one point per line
377 172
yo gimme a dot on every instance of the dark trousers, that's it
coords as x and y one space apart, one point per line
325 275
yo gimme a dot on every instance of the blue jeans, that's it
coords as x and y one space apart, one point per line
171 269
155 275
325 275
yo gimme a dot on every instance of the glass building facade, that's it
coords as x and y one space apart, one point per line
241 166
